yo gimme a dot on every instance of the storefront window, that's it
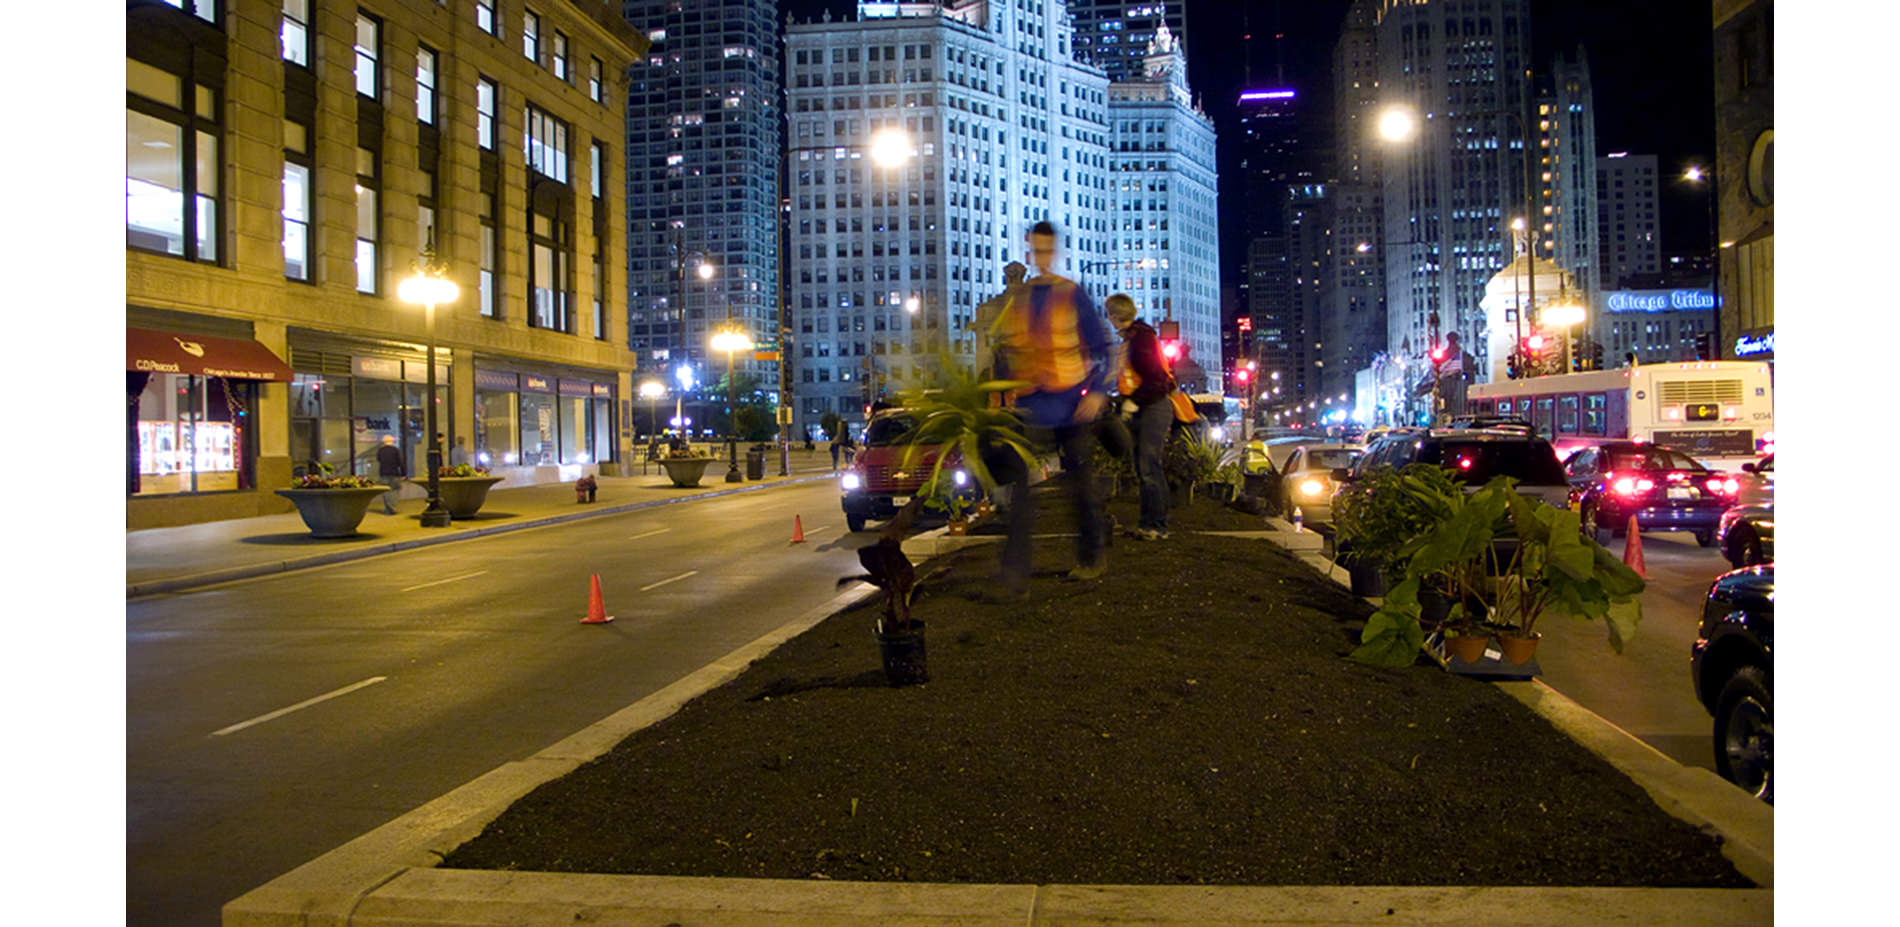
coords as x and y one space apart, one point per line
574 430
189 434
377 411
538 430
601 427
319 423
496 429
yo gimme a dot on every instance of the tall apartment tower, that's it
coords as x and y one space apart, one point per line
1567 173
1308 256
1114 35
1629 232
287 165
1165 224
1352 313
703 141
1451 192
889 264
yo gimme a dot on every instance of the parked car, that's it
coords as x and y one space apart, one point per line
1746 534
878 482
1475 456
1306 486
1665 489
1757 483
1732 667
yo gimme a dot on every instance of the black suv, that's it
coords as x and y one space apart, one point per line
1732 666
1475 456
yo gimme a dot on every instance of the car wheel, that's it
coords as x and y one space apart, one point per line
1705 538
854 522
1751 550
1591 528
1745 733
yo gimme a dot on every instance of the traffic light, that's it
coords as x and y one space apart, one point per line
1438 356
1240 377
1596 355
1512 368
1534 343
1170 350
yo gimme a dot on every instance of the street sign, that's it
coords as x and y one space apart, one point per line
765 355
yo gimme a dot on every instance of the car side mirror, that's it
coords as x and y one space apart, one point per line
1342 475
1748 468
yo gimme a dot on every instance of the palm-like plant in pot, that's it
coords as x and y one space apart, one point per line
1378 513
1502 560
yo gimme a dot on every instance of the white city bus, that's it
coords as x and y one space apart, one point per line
1719 412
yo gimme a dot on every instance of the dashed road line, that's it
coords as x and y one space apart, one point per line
648 534
441 581
672 580
306 703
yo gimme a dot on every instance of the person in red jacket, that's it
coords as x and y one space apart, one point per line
1145 383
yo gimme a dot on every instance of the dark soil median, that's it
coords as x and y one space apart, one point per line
1190 718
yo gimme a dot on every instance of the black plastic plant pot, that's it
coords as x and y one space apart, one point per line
903 653
1367 578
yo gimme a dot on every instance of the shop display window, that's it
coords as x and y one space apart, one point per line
189 434
538 435
496 427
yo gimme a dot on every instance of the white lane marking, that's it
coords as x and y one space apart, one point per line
260 719
812 531
648 534
441 581
673 580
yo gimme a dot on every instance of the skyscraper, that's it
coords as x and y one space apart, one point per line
1451 191
1629 231
703 126
1352 306
1567 172
1114 34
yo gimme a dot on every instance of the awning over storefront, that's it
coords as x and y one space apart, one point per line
151 351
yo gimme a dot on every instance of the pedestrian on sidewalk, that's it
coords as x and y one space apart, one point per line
458 455
1144 384
390 469
837 447
1051 335
850 450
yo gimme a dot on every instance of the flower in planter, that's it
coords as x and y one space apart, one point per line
326 478
461 470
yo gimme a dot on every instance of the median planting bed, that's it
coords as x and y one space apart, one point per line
1189 718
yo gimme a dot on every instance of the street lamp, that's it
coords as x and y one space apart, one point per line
888 148
651 391
430 287
731 338
1564 316
1699 176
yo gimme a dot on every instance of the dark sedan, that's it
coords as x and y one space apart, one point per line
1732 666
1666 490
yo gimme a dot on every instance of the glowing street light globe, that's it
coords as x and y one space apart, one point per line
427 290
706 270
684 374
1397 124
891 147
731 340
652 389
1563 315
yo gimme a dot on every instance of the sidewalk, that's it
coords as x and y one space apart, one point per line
160 560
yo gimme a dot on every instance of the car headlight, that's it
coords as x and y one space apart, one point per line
850 481
1217 433
1313 487
961 478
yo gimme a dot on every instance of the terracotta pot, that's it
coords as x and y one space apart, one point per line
959 527
1518 648
1467 647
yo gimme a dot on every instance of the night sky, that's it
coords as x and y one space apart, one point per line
1651 64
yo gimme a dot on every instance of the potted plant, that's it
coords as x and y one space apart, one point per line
1505 559
1446 569
1376 514
584 489
1190 461
684 467
463 488
332 506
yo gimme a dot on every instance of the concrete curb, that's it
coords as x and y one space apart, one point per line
248 571
388 876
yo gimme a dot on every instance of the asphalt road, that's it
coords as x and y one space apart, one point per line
271 720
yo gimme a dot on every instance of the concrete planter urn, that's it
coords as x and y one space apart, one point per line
333 513
685 471
461 495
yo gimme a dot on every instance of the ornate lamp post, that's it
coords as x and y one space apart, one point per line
732 339
429 287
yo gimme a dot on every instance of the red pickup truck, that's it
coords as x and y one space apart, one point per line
879 481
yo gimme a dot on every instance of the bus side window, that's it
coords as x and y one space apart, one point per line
1567 414
1541 423
1594 413
1524 408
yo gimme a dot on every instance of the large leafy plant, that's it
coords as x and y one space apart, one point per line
1376 515
960 416
1553 568
1192 460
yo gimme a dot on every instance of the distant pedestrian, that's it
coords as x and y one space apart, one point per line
1144 383
837 447
390 468
458 455
1051 335
850 450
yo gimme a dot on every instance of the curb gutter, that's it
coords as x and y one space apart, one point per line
248 571
388 876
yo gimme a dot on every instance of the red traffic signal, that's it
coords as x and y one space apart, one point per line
1534 342
1240 376
1170 349
1438 355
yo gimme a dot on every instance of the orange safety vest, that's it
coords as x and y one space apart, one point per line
1049 353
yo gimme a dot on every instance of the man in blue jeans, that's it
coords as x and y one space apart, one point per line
1145 382
1050 335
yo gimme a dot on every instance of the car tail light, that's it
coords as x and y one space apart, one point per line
1632 485
1678 477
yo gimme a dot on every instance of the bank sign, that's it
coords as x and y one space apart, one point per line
1658 300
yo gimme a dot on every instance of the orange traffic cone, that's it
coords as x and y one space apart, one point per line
1633 549
798 530
596 609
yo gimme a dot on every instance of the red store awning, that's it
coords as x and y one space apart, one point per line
151 351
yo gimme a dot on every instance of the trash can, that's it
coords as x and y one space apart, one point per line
755 462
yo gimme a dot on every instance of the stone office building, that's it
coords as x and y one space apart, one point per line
287 160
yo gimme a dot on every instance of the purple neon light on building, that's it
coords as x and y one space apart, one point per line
1266 95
